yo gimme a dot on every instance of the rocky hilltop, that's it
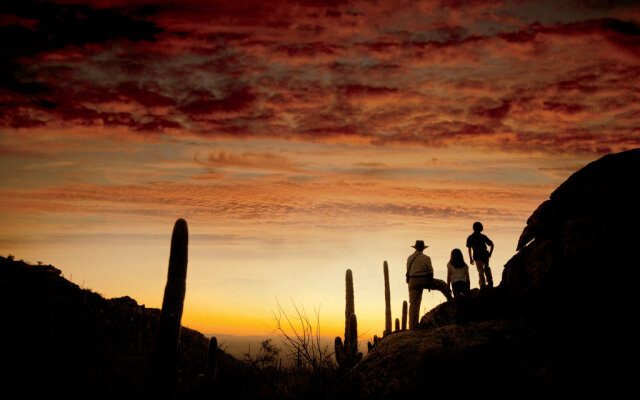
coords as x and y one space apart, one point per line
559 320
61 339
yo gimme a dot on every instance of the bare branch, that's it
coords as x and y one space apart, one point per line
301 338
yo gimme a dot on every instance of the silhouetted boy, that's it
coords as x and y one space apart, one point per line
478 243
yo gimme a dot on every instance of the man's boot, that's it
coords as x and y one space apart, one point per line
442 287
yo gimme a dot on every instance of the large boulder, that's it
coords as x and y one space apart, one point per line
588 223
451 360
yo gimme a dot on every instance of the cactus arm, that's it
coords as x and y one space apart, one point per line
340 353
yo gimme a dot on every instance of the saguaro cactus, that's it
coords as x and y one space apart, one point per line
212 361
397 325
349 305
347 353
404 315
387 301
165 366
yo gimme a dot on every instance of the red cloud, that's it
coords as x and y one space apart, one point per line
355 73
202 102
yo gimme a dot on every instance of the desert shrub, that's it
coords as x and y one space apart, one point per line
310 374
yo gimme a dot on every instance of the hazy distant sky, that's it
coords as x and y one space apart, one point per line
298 139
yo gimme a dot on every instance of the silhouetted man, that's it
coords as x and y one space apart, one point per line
420 277
478 243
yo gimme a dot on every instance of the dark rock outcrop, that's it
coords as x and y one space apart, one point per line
58 338
586 224
560 316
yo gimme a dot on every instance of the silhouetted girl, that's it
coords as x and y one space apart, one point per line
458 274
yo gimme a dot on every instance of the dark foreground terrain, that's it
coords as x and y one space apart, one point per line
62 339
560 323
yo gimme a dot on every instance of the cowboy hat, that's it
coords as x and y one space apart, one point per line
419 245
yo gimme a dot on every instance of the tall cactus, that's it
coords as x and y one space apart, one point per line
404 315
347 353
165 368
387 301
349 306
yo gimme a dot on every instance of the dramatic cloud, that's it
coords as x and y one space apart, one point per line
300 135
426 73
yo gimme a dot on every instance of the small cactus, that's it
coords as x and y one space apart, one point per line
397 325
339 348
347 353
404 315
387 301
212 361
165 367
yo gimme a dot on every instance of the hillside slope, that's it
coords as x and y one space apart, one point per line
59 338
559 320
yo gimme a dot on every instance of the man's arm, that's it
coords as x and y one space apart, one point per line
470 256
427 263
491 246
448 276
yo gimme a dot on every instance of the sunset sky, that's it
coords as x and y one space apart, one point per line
298 139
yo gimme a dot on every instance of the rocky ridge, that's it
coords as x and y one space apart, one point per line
73 342
558 319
